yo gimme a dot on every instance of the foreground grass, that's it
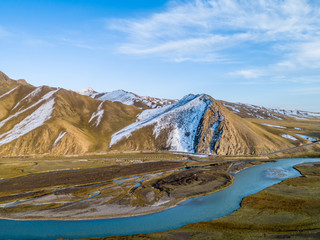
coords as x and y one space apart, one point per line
290 209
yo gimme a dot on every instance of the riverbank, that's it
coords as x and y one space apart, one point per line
110 192
115 191
195 210
290 209
113 211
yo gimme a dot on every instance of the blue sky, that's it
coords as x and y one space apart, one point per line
264 52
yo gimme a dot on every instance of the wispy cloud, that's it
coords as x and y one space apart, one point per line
249 73
4 32
303 54
300 62
203 30
34 41
77 43
82 42
25 38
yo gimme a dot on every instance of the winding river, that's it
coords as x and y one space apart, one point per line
205 208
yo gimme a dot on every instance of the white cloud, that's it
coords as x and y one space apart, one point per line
179 50
249 73
306 54
300 63
205 29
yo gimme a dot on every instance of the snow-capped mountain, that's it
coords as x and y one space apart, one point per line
127 98
252 111
38 120
197 124
46 120
87 92
182 118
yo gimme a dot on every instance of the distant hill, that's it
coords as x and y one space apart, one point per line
127 98
252 111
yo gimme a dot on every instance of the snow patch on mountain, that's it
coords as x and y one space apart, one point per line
306 137
127 98
31 122
98 115
232 108
270 125
60 136
299 114
181 119
29 96
157 102
119 96
44 98
268 113
252 111
289 137
87 92
7 93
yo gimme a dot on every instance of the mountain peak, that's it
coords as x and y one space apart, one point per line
87 92
4 77
128 98
22 82
8 84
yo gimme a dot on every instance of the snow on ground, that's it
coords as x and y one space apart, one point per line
306 137
199 155
270 125
98 115
29 96
31 122
5 94
182 118
61 135
44 98
289 137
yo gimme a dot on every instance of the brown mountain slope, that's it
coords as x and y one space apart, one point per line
45 120
7 83
200 124
56 121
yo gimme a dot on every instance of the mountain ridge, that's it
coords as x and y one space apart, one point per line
198 124
46 120
128 98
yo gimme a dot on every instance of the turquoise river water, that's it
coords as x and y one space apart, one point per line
205 208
